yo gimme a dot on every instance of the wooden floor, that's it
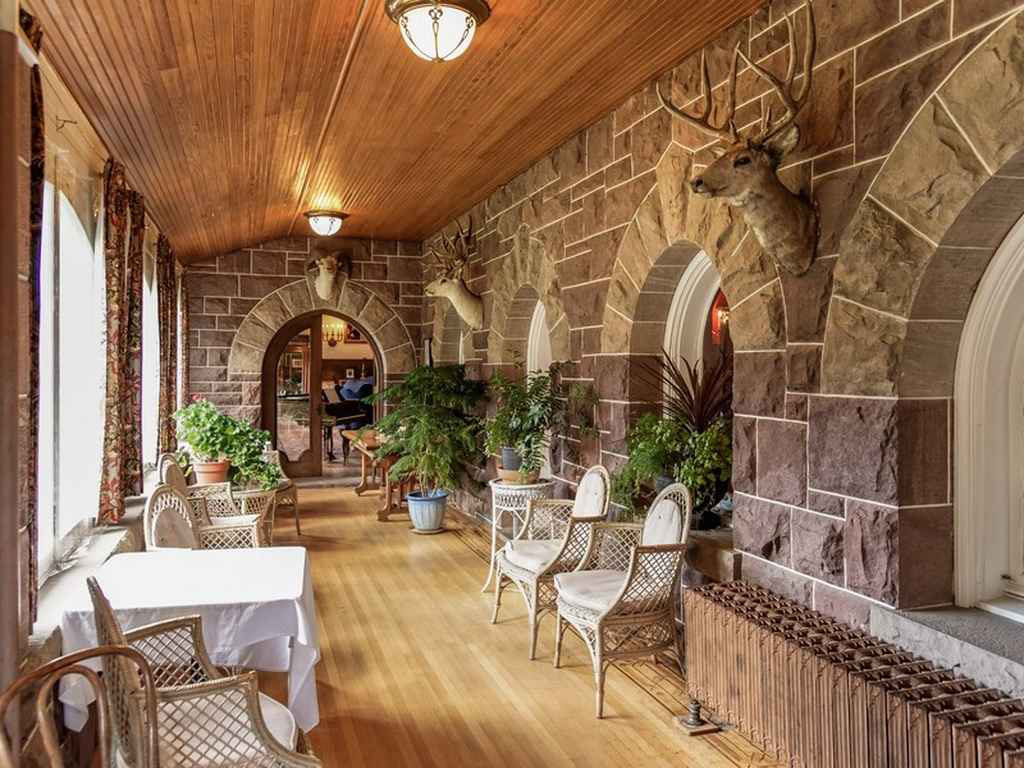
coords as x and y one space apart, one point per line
413 673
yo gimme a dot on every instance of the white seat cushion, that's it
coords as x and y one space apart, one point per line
235 520
664 524
532 555
279 720
596 590
171 530
590 496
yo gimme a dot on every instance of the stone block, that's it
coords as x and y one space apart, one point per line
926 556
949 283
782 461
759 323
272 312
585 304
254 333
987 218
199 322
903 42
803 368
839 195
624 200
924 451
599 144
207 373
853 447
297 297
744 270
375 314
872 549
400 360
258 286
842 605
650 138
269 263
228 322
235 263
744 454
817 543
217 306
862 351
826 503
242 306
391 334
293 244
759 384
762 528
353 298
216 338
201 284
776 579
405 269
929 359
796 406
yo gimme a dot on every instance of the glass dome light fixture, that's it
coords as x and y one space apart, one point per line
438 30
325 223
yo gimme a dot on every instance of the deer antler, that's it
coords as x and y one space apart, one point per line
454 254
792 102
728 131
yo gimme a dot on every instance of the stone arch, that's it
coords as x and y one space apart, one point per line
296 299
526 276
917 246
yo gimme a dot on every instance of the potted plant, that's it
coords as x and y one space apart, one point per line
250 467
207 432
526 411
432 426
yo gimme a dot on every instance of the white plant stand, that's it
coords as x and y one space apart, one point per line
511 499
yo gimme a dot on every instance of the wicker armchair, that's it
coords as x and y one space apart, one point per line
262 504
202 717
170 522
210 500
554 539
287 492
44 680
622 599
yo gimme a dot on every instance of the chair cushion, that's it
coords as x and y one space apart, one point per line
171 530
532 555
664 524
279 720
590 496
596 590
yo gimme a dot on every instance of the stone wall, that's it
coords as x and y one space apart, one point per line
237 301
844 375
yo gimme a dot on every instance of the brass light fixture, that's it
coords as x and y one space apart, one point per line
334 332
438 30
325 223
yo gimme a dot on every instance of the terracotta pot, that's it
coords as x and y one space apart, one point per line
211 471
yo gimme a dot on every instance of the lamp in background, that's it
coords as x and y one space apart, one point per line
325 223
438 30
334 332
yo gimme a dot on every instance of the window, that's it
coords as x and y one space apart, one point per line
150 354
72 374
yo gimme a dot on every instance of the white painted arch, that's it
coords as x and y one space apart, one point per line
686 324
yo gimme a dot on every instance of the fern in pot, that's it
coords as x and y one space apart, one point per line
525 413
432 426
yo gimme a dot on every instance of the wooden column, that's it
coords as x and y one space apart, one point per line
9 109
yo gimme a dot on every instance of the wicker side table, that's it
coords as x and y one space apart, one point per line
511 499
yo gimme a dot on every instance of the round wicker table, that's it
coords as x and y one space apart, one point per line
512 500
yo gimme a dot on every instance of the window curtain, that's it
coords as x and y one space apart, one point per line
167 310
186 343
116 446
132 416
30 455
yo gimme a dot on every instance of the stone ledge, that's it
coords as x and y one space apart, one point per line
975 643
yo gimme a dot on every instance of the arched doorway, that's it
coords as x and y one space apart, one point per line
694 327
311 366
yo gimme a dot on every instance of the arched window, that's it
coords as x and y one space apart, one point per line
538 345
689 315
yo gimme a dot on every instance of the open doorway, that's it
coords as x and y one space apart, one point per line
317 373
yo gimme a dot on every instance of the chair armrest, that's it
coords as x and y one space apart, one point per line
611 546
248 535
546 518
175 650
652 580
575 545
223 718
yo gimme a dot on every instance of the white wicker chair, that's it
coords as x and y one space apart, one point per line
211 500
262 503
170 522
554 539
287 492
622 599
203 718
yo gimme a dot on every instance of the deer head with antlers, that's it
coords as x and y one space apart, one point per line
745 173
451 260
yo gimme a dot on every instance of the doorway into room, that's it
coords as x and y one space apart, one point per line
317 373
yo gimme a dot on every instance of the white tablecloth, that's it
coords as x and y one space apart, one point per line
256 604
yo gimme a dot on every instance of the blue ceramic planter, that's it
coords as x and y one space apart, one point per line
427 510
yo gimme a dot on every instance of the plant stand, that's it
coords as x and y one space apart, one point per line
511 499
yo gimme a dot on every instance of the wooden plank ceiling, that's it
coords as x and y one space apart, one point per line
235 116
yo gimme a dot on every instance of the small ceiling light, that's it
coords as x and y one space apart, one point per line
438 30
325 223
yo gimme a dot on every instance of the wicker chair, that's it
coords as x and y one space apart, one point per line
622 599
553 539
263 504
210 500
287 492
203 718
170 522
141 735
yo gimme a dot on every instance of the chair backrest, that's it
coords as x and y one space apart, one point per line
171 474
592 495
257 502
668 517
124 688
167 520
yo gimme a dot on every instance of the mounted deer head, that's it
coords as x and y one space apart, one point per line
745 173
450 283
324 269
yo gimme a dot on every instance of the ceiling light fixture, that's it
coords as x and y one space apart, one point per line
325 223
438 30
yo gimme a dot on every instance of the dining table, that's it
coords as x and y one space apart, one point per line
256 606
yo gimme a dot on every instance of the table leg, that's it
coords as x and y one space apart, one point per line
494 547
384 511
363 486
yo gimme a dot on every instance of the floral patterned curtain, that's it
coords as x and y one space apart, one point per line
115 444
167 311
131 418
30 456
186 342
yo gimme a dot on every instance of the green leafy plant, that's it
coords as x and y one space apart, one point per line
214 436
657 446
205 430
432 425
707 469
249 465
526 410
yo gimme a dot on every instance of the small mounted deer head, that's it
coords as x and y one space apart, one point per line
323 270
451 283
745 173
